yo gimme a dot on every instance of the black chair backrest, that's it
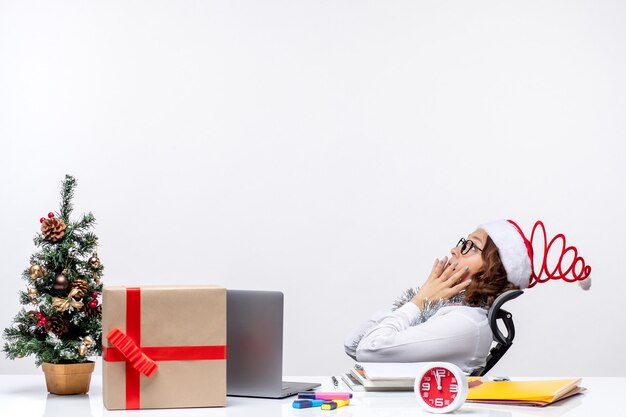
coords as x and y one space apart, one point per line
503 342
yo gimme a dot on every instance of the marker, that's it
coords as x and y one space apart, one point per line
331 405
312 395
307 403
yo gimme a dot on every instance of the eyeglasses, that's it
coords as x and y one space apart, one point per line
466 246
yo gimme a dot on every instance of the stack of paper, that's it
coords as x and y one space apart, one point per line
535 393
383 371
375 376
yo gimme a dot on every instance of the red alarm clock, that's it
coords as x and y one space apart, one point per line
441 387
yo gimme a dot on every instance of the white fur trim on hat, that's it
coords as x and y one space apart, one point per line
512 250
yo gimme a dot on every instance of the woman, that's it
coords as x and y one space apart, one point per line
446 319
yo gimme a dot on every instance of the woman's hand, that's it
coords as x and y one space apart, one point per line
443 283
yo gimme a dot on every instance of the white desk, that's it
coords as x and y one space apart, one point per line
26 396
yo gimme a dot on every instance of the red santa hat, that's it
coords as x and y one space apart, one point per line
521 260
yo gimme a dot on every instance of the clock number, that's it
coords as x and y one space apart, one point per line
454 388
438 402
425 386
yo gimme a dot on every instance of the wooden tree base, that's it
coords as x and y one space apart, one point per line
65 379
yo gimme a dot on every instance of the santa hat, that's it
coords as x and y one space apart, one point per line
518 257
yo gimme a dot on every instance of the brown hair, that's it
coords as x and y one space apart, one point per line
491 280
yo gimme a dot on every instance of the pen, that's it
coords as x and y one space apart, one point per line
331 405
307 403
312 395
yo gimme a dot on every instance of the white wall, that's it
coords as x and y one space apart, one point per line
328 149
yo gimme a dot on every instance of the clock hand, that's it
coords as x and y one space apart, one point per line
438 378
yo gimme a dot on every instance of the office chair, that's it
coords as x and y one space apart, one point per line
503 343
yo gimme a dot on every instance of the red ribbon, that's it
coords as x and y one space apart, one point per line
131 352
139 359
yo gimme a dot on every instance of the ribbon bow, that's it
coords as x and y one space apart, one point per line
133 354
62 304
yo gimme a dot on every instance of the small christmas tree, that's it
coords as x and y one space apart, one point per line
63 325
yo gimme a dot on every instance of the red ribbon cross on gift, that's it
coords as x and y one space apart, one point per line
142 359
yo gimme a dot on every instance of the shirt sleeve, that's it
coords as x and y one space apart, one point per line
451 337
352 340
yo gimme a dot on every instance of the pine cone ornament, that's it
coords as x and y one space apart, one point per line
56 325
81 286
94 312
52 229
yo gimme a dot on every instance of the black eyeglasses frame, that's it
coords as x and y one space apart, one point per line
465 248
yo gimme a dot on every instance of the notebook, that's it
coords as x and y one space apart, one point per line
382 371
533 393
401 384
382 376
352 382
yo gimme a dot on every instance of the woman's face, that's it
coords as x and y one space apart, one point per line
473 259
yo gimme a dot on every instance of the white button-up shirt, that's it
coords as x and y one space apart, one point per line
456 334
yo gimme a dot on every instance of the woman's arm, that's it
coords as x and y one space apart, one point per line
459 336
353 339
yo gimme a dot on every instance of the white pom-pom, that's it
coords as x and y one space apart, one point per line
585 284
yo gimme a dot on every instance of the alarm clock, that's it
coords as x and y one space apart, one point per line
440 387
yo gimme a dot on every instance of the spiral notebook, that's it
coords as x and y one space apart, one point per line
385 371
374 376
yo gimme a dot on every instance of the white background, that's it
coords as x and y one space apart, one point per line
327 149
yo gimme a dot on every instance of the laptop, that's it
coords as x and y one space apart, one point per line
254 346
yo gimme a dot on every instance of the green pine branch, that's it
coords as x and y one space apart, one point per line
87 221
67 194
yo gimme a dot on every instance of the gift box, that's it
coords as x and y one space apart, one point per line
164 347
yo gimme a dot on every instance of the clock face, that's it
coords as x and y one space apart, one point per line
438 387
